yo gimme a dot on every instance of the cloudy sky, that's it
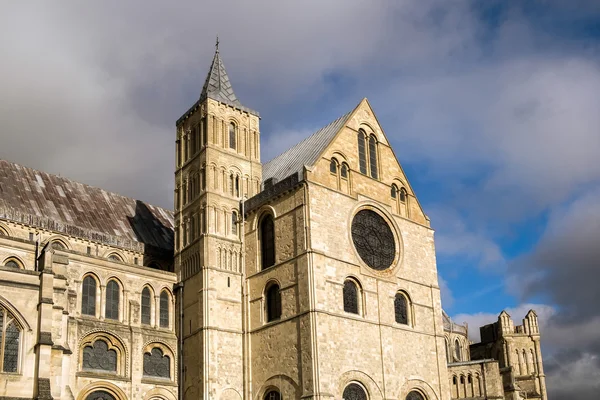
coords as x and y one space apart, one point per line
492 108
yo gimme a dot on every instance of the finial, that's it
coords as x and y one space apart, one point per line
217 45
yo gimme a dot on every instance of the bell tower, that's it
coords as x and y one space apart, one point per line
217 166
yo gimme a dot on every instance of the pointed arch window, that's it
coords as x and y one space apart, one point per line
351 296
164 309
146 306
10 341
362 152
111 311
273 300
373 156
401 309
232 144
88 296
267 241
354 391
12 263
157 364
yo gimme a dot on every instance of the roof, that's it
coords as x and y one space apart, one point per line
304 153
59 204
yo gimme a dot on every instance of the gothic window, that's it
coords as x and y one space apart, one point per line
164 309
273 300
362 152
12 263
373 239
157 364
100 395
351 296
146 306
267 241
354 391
414 395
232 136
373 156
394 191
333 166
273 395
10 339
111 311
88 296
344 171
115 257
99 357
401 309
57 245
457 350
234 223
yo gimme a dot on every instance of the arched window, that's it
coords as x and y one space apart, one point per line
234 223
403 195
12 263
57 245
401 309
88 296
111 311
115 257
362 152
414 395
146 306
344 171
272 395
273 300
99 357
232 136
373 156
394 191
100 395
267 241
164 309
457 350
351 296
157 364
10 339
333 166
237 186
354 391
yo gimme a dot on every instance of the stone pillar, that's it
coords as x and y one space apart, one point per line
43 347
156 311
540 368
102 301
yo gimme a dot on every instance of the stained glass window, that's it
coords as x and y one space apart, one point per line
354 391
146 306
111 310
350 296
401 309
273 395
373 239
100 395
12 264
362 152
164 309
157 364
267 241
99 357
273 303
10 347
88 296
414 395
373 156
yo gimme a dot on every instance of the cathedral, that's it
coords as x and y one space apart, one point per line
312 276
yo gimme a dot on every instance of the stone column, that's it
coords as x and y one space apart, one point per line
101 303
43 346
540 368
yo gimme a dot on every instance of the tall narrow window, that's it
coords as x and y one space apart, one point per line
234 223
204 127
164 309
146 306
178 154
457 350
333 166
10 339
362 152
237 186
394 192
267 241
401 309
111 310
350 296
403 195
373 156
88 296
354 391
344 171
273 300
232 136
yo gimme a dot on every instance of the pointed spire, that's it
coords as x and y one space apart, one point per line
217 85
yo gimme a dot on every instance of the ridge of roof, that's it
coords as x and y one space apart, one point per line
60 204
304 153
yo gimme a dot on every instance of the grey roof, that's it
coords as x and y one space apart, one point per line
217 85
304 153
58 204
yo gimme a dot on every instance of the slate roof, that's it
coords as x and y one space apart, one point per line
304 153
58 204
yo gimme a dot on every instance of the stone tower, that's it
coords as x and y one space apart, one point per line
217 166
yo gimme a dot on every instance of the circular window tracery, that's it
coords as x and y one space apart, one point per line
373 239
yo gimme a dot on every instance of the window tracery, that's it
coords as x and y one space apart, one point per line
157 364
10 339
99 357
354 391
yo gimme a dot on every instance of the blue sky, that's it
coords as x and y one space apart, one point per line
491 107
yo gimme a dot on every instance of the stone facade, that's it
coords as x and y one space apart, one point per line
312 276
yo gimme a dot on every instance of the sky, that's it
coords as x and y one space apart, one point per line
491 107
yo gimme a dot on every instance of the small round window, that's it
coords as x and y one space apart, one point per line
373 240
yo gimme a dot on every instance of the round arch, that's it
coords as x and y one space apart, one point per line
418 385
285 385
373 390
159 393
108 387
59 239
